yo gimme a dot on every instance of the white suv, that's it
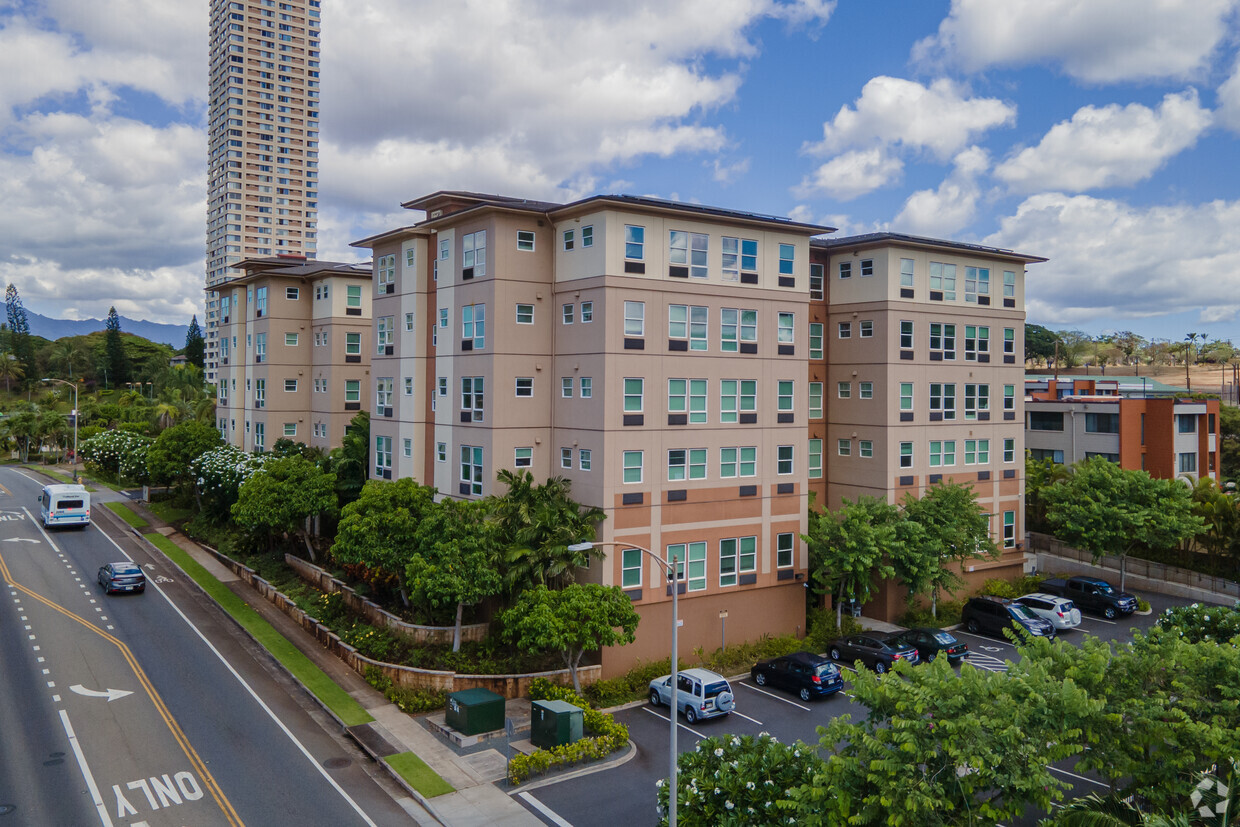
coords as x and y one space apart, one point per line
703 694
1060 611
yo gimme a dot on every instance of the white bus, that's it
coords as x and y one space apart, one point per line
62 505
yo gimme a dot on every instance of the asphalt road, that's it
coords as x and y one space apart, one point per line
151 709
626 794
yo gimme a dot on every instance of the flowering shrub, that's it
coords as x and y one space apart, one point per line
1197 623
117 453
739 780
608 734
219 474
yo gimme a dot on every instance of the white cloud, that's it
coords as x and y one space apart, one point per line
727 173
852 174
1110 259
940 118
1228 112
1099 41
952 206
1107 146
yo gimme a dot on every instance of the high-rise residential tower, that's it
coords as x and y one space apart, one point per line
263 127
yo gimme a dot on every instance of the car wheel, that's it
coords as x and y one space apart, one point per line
760 678
880 667
804 694
930 658
654 697
1109 612
972 626
835 653
690 715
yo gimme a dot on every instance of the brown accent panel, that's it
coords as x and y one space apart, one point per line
785 506
630 517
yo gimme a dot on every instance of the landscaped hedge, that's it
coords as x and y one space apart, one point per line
607 735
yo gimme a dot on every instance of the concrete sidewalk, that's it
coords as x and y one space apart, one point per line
476 801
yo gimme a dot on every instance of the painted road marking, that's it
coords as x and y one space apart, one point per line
544 810
773 695
669 720
86 773
1081 777
169 791
110 694
747 718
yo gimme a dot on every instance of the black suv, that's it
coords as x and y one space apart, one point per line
991 615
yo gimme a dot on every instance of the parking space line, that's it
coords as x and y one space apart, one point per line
1074 775
773 695
987 639
747 718
1099 619
544 810
678 723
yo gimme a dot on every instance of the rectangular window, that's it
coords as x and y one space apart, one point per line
632 464
1009 397
1186 424
906 396
906 455
866 449
845 269
525 386
817 291
522 457
587 312
815 340
383 454
787 259
290 385
727 562
386 272
737 396
474 252
472 396
441 451
634 242
691 561
584 459
1009 284
687 396
566 387
290 429
843 447
474 324
1108 423
687 322
587 236
1054 455
738 462
471 468
568 240
352 390
525 240
865 390
906 335
943 340
525 314
737 326
845 330
815 459
943 279
906 272
943 399
977 452
385 332
353 295
443 385
567 313
942 453
630 568
443 317
1188 463
292 293
587 387
976 398
260 301
783 459
1009 529
634 318
976 341
867 267
785 333
843 390
260 392
407 447
260 347
1009 450
1009 341
783 550
566 457
976 283
867 329
1045 420
815 400
290 339
688 250
686 464
634 390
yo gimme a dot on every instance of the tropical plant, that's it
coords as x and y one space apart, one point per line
848 549
282 497
953 529
379 529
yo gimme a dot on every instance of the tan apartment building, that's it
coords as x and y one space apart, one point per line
294 351
654 353
263 130
917 376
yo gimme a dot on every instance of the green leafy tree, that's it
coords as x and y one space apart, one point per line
1073 345
218 475
848 549
65 353
1039 343
23 426
1105 509
1200 623
537 524
11 369
580 617
455 561
1040 474
114 351
1229 445
53 428
195 345
1129 345
113 450
351 461
953 529
283 497
1217 509
379 530
170 460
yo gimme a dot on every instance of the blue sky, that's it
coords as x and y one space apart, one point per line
1102 135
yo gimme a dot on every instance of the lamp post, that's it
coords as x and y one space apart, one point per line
75 420
670 568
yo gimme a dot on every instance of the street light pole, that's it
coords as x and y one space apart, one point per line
670 568
75 421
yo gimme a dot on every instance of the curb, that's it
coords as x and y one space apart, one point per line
391 771
611 763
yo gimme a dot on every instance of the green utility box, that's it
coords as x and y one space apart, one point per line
473 711
553 723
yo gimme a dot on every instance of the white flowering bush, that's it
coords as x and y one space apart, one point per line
739 780
117 454
219 473
1198 622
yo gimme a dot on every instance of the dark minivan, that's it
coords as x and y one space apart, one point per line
991 615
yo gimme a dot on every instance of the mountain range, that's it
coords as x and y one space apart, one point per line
53 329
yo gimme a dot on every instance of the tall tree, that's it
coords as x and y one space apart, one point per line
283 496
11 369
379 529
1073 344
954 528
19 329
1105 509
171 458
114 351
195 345
1039 344
848 549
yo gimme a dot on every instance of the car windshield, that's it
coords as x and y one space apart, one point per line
713 689
1023 612
944 638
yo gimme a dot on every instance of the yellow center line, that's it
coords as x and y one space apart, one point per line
177 733
5 490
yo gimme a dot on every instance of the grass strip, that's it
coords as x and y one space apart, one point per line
127 514
417 775
65 478
294 660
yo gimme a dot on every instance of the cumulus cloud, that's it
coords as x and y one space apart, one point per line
1107 146
1228 112
940 118
951 207
1100 41
1108 258
852 174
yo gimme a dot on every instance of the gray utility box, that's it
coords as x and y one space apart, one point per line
553 723
473 711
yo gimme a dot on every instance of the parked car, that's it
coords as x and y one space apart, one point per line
872 649
1092 595
703 694
807 674
1060 611
991 615
122 577
930 642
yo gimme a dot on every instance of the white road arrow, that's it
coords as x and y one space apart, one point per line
19 540
110 694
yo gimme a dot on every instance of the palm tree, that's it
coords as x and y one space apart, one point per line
64 352
10 369
23 426
51 429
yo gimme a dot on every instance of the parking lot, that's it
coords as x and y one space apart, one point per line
625 794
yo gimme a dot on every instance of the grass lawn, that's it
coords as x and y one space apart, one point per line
126 513
419 776
336 699
170 513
